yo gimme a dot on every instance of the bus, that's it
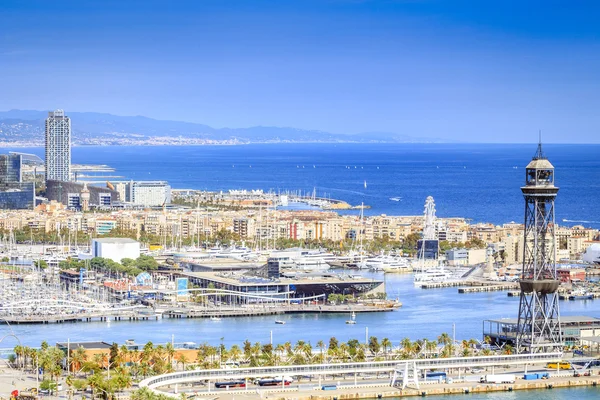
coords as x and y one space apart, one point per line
230 384
559 365
274 382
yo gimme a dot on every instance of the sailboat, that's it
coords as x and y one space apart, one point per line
352 319
365 184
361 264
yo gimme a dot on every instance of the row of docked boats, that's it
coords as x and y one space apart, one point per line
301 259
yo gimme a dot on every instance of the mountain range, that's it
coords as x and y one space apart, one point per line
100 128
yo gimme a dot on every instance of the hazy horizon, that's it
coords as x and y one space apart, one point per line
488 73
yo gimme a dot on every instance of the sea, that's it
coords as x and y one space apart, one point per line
476 181
480 182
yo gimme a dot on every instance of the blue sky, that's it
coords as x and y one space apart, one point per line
491 71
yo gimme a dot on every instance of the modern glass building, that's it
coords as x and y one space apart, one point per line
10 168
58 146
17 196
14 193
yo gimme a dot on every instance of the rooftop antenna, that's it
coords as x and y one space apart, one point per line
539 154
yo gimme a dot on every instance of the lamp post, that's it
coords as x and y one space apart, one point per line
453 337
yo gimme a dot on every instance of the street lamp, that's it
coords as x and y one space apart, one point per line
18 340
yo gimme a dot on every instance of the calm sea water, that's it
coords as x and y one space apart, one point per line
424 314
476 181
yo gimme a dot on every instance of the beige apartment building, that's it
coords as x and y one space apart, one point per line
252 224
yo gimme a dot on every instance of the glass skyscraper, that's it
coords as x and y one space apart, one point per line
14 193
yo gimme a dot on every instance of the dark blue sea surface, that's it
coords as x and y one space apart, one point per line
477 181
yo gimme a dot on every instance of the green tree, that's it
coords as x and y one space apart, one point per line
374 346
333 344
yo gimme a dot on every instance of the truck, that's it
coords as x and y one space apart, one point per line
503 378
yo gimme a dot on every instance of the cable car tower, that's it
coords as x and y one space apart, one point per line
538 327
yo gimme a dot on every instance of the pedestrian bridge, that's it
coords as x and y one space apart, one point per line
395 368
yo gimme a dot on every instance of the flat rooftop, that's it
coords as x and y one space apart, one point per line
85 345
219 264
243 280
114 240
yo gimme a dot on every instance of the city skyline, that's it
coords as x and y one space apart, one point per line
494 73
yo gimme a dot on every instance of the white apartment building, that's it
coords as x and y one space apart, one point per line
58 146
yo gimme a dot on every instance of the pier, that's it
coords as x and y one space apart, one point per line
489 288
79 317
470 286
200 312
279 310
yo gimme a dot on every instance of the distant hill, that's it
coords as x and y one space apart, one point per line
99 128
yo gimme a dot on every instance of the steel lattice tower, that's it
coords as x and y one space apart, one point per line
538 328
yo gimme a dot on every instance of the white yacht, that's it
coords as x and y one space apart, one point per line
398 268
388 262
434 275
302 259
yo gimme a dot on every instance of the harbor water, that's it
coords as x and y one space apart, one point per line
426 313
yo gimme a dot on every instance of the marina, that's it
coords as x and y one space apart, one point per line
442 307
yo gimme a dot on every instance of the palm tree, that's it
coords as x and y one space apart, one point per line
431 346
418 347
78 359
125 354
288 349
321 346
247 349
385 343
407 347
99 360
182 360
19 352
343 351
95 381
444 339
308 352
170 350
473 343
235 352
464 343
280 351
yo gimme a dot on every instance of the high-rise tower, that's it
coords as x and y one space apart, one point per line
58 146
539 319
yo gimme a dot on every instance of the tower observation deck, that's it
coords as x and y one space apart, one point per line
538 327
